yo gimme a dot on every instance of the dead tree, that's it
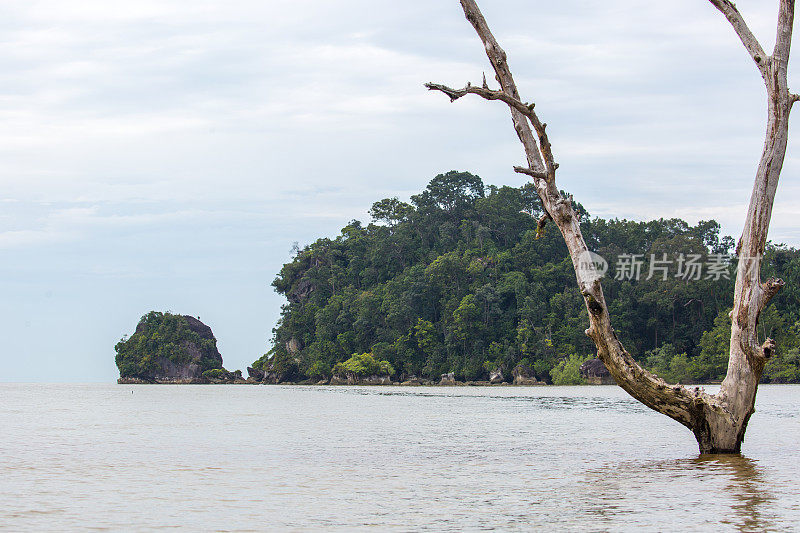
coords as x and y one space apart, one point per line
718 421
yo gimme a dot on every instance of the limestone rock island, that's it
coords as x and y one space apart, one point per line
169 348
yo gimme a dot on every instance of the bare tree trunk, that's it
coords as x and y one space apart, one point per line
747 357
718 421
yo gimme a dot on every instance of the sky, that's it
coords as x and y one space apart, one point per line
167 154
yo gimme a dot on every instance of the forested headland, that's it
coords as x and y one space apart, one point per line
465 279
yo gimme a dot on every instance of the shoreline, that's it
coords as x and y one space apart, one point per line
305 383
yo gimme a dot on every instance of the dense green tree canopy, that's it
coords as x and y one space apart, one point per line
459 280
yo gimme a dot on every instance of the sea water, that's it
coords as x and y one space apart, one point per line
253 458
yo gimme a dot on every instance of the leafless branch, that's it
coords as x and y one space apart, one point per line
483 92
769 289
517 106
768 348
530 172
542 224
749 40
530 130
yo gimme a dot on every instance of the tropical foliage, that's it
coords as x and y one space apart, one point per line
460 280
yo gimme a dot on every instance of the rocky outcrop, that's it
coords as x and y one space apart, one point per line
448 379
354 379
301 291
496 376
524 375
596 373
167 348
280 368
293 346
338 379
254 375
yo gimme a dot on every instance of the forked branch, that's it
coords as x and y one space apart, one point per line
676 401
484 92
544 148
718 421
537 146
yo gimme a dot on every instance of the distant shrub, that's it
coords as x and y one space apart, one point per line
567 372
386 368
363 364
216 373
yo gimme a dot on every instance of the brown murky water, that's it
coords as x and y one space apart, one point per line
246 458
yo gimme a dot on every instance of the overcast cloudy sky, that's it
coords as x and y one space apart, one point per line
166 154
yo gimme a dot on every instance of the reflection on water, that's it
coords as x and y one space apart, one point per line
388 459
748 488
722 489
